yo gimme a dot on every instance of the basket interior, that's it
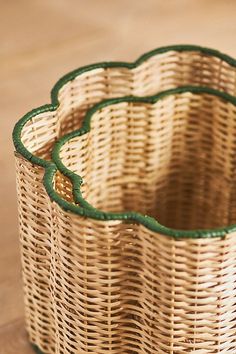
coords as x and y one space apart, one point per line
173 160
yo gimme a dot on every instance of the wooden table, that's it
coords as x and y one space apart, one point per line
40 40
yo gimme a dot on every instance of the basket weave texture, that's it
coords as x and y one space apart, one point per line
101 274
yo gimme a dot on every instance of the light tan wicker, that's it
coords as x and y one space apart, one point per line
170 156
106 282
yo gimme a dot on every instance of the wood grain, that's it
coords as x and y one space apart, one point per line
43 39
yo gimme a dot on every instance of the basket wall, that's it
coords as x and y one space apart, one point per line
102 290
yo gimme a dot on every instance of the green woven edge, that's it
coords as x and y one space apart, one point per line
51 168
36 349
88 209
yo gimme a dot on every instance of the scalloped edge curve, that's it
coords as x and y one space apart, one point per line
51 168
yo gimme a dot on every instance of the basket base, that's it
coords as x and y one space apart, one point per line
36 349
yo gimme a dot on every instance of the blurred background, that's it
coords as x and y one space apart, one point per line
41 40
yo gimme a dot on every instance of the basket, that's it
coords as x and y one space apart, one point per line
101 274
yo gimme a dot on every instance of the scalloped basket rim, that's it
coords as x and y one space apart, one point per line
52 167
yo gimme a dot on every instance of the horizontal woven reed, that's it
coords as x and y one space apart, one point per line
171 157
111 286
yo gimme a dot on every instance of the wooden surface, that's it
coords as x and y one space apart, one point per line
43 39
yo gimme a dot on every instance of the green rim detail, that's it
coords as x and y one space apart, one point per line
52 167
149 222
36 349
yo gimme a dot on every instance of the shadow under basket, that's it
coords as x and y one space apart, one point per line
127 222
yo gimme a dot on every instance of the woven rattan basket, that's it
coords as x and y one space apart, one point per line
141 256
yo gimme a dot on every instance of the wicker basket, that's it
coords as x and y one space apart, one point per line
101 275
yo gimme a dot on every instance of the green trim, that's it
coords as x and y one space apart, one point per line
50 167
88 210
36 349
73 74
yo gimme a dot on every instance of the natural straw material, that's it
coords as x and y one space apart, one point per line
116 286
162 156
